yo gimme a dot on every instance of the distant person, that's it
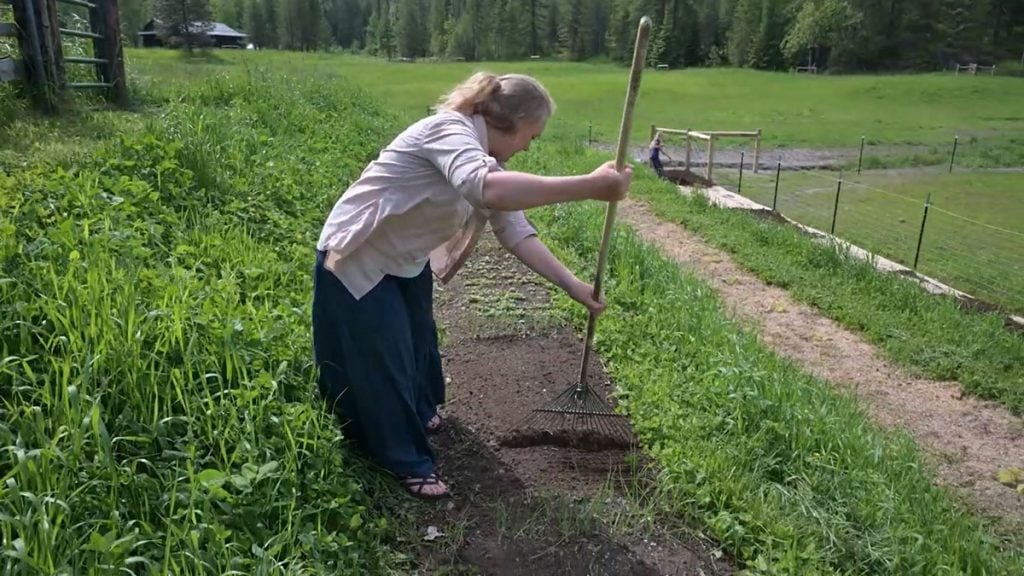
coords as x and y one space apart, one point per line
420 207
656 150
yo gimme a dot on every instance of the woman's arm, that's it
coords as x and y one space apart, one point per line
532 252
508 191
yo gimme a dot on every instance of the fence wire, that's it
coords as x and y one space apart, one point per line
983 259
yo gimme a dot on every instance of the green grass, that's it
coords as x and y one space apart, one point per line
792 477
156 389
794 111
973 239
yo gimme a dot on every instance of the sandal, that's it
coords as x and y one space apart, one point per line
414 486
435 425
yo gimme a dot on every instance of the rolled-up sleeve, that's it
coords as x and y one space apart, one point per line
453 148
511 227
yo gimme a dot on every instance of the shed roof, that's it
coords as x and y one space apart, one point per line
218 29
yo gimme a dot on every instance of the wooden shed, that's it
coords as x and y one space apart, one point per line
221 36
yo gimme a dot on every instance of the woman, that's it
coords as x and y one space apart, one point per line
656 150
420 206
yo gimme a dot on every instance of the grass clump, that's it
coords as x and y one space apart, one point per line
156 387
790 476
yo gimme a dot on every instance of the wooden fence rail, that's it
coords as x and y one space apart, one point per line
42 65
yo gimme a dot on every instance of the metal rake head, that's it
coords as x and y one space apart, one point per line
576 418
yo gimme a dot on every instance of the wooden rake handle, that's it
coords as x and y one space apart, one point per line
643 35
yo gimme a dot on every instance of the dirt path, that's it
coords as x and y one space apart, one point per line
970 440
542 510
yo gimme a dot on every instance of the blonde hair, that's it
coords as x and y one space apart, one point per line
504 101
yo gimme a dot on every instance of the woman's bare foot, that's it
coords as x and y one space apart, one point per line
435 424
429 488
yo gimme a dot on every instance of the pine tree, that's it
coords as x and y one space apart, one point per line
259 25
439 26
620 37
183 22
462 42
411 32
380 33
571 34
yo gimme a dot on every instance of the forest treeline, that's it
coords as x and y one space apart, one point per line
842 35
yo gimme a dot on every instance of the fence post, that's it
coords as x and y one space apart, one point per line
107 23
711 157
920 235
590 134
953 156
689 149
835 209
757 149
37 69
860 160
739 187
53 53
775 198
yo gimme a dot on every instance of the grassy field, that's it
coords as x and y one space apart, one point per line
793 111
156 388
973 238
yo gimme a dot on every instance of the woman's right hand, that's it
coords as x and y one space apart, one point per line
610 185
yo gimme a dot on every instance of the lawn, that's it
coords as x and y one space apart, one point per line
914 113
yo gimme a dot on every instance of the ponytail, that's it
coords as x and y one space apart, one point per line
504 101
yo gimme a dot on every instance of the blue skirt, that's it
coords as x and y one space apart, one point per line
379 365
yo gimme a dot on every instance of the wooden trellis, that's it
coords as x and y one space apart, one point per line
42 64
710 136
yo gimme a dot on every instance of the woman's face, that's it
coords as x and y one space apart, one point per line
504 145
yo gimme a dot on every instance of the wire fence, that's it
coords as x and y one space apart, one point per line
971 239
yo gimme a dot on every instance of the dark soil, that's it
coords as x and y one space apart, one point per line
501 528
533 510
583 439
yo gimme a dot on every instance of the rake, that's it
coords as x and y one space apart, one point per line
579 417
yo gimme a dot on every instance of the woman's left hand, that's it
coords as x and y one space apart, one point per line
584 294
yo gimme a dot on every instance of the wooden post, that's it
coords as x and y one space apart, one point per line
711 157
689 149
757 149
654 130
53 53
112 51
36 77
47 76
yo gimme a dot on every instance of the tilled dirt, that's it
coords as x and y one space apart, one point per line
566 436
526 510
970 440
